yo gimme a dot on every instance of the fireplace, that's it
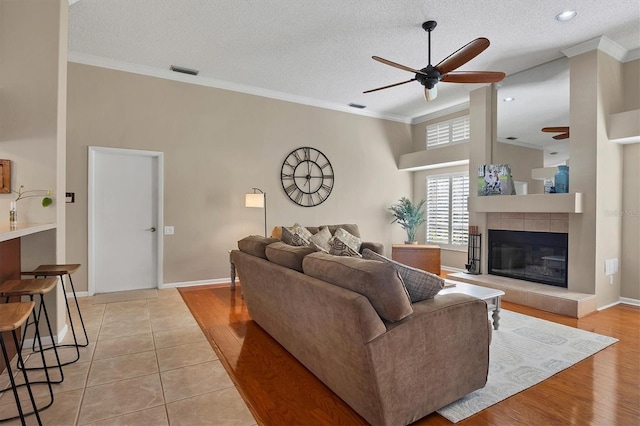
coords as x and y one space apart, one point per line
539 257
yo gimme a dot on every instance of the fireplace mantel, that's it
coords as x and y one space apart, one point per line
532 203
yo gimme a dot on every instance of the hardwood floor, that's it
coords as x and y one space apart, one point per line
601 390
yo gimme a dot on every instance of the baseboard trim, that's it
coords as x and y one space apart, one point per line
220 282
46 340
629 301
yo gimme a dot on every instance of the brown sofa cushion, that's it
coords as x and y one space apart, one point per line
255 245
288 256
420 284
378 281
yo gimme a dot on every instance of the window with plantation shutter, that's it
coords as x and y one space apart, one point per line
446 208
448 132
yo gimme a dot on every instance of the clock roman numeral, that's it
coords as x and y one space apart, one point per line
307 154
286 176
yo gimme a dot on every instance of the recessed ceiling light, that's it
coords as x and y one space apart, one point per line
509 99
566 15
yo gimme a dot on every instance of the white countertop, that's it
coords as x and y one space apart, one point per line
21 229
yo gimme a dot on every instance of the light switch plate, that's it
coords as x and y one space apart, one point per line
168 230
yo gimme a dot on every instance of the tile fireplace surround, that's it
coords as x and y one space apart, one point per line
540 296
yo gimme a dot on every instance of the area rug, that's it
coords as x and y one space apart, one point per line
525 351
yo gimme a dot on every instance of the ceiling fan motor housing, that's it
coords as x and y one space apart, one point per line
431 78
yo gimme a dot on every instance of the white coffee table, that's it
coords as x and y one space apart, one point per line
489 295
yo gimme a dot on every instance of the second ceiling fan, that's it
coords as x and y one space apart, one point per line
430 75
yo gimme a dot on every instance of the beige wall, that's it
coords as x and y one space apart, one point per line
219 144
522 160
595 235
630 260
33 57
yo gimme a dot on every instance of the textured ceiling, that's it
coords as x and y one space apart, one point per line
320 52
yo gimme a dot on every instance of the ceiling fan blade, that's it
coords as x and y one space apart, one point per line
396 65
430 94
391 85
473 77
462 55
560 129
562 136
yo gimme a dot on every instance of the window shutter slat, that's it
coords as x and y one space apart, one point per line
446 208
447 132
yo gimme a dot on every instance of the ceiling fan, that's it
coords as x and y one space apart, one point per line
430 75
563 130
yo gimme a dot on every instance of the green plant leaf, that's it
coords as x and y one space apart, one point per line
46 201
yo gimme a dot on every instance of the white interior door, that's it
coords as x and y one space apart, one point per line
124 219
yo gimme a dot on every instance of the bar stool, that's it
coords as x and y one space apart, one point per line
30 288
61 271
12 317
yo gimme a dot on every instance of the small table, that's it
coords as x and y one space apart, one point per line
421 256
492 296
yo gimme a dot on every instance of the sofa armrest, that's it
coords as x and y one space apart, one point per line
375 247
431 358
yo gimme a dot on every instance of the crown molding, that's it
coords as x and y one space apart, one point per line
601 43
97 61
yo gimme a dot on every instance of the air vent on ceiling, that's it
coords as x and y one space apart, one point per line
511 138
352 105
183 70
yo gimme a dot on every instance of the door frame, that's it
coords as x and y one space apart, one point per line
158 158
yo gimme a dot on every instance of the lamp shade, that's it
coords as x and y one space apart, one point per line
254 200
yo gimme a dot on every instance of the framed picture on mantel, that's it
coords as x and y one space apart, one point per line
5 176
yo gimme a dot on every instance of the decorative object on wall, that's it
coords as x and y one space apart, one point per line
495 179
409 216
5 176
430 75
562 180
22 194
257 199
307 176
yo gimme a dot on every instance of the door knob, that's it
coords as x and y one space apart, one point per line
152 229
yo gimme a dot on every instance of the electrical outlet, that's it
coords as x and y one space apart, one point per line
168 230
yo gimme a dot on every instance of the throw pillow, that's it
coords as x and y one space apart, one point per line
296 235
320 240
420 284
344 244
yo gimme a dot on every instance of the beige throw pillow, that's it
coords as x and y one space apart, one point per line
344 244
320 240
296 235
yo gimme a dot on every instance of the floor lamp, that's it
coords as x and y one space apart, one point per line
258 199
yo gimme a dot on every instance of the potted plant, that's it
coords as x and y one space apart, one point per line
410 216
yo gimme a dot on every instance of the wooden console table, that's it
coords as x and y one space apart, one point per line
421 256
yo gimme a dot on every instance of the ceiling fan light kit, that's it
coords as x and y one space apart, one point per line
430 75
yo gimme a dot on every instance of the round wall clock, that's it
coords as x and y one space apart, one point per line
307 176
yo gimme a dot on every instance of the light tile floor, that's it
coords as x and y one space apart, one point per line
147 363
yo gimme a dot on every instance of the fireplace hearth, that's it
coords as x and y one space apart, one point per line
539 257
